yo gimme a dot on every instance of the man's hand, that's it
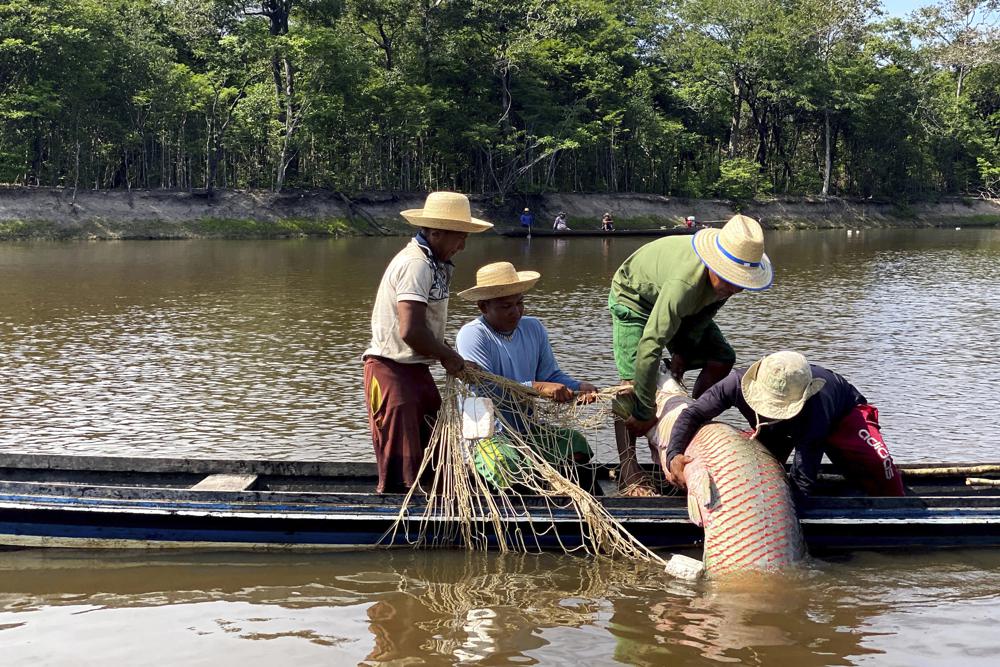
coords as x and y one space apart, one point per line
638 427
677 367
587 393
469 366
559 393
675 471
453 363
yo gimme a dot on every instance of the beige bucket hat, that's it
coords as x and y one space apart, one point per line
446 210
778 385
499 279
736 253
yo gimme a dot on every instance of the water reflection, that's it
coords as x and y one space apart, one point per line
454 608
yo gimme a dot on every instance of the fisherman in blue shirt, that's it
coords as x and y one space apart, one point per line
527 218
505 342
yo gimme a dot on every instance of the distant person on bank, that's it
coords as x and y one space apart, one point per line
792 405
503 341
527 218
665 296
560 223
408 323
607 223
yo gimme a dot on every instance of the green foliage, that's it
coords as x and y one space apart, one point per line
691 97
990 175
739 180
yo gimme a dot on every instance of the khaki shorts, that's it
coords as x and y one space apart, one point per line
627 327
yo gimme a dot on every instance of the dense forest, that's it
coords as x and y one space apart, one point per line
700 98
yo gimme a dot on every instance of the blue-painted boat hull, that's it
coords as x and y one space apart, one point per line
122 503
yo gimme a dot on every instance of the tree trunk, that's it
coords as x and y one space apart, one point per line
277 12
505 98
828 159
36 155
734 123
386 46
762 133
291 117
425 40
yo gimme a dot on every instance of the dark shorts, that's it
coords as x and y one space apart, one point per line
403 402
627 327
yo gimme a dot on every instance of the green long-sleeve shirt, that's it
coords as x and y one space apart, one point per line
667 282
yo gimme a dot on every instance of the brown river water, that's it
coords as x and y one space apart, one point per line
252 349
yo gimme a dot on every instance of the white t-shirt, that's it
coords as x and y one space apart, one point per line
412 275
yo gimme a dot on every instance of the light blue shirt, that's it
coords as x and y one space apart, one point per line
525 356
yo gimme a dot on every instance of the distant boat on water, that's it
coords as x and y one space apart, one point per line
522 232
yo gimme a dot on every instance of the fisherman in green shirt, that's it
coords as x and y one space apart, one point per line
665 296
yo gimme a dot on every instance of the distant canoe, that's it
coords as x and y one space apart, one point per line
520 232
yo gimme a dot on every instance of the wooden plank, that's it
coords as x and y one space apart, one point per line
945 471
225 483
981 481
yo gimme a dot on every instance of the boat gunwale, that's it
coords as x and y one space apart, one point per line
126 494
272 467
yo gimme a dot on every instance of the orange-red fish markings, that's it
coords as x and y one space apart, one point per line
739 494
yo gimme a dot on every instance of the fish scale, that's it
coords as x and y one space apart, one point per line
739 494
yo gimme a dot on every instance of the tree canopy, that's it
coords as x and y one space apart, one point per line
730 98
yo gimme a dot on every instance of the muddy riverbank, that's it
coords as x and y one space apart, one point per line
53 213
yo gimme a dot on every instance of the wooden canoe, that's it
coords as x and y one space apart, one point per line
117 502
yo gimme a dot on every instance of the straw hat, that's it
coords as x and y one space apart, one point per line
499 279
446 210
778 385
736 253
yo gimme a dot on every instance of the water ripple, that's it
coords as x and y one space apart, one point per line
252 349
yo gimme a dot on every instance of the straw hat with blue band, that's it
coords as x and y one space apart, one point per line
736 253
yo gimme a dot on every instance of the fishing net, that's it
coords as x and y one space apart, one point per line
528 486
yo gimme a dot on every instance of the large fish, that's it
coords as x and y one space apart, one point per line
737 491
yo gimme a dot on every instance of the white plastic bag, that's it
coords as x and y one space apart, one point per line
477 418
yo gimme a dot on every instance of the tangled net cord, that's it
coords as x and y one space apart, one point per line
535 498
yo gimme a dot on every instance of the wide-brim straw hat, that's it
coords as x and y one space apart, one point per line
499 279
446 210
736 253
777 386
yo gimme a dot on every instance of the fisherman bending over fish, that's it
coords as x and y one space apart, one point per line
665 296
504 342
408 322
794 405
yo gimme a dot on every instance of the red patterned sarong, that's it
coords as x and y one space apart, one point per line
403 403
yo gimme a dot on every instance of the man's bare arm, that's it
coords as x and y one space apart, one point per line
414 331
